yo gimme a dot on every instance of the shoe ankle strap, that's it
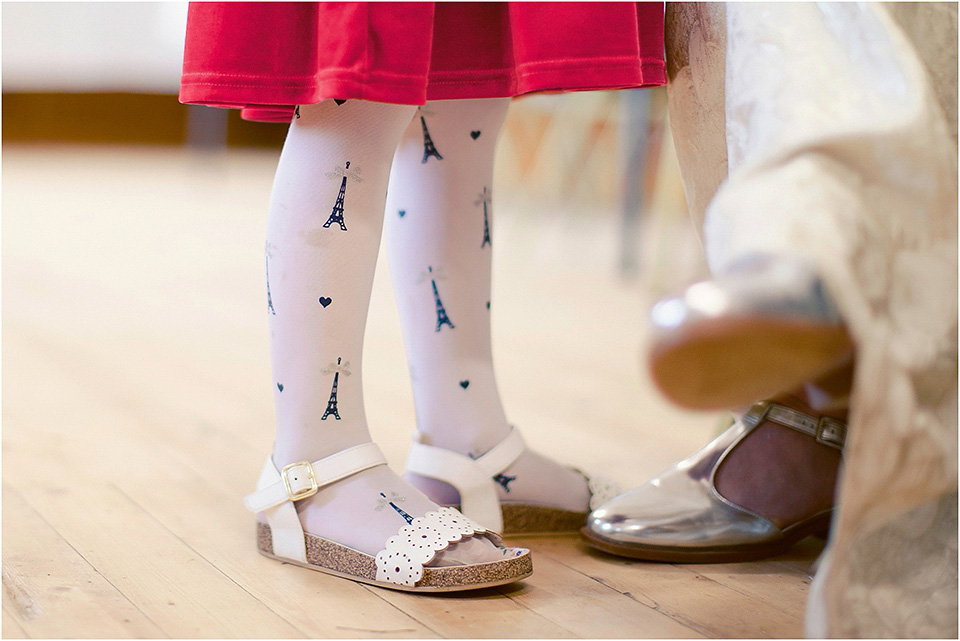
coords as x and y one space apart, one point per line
825 429
472 477
299 480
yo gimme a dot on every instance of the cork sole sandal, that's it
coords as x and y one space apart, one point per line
475 481
332 558
403 563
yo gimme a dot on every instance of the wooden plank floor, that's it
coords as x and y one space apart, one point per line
137 410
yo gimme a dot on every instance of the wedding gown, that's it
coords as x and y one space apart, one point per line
829 131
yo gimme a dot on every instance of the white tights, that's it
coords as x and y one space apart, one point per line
323 233
445 239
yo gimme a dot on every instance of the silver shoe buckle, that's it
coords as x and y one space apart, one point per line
299 489
826 430
831 432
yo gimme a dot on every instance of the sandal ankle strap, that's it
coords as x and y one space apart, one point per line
471 477
302 479
277 490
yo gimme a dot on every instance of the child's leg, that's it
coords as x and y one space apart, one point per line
323 234
439 235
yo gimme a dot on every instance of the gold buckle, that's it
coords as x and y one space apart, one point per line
304 493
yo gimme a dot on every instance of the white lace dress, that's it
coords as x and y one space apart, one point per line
830 131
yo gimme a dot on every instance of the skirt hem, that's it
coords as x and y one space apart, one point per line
233 91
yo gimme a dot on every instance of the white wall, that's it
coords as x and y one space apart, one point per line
92 46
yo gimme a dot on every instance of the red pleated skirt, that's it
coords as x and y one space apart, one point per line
267 57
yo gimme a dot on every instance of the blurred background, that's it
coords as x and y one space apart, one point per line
108 74
134 329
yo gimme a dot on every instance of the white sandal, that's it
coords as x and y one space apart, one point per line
474 479
401 565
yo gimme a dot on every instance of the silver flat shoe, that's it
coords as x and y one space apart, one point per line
679 516
767 324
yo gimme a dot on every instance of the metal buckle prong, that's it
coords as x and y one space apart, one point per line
303 493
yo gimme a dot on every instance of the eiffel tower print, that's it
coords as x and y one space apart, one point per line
484 200
269 299
442 318
336 216
504 480
336 370
338 171
266 260
428 147
392 502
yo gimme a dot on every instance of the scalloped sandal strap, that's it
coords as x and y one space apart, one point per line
473 478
